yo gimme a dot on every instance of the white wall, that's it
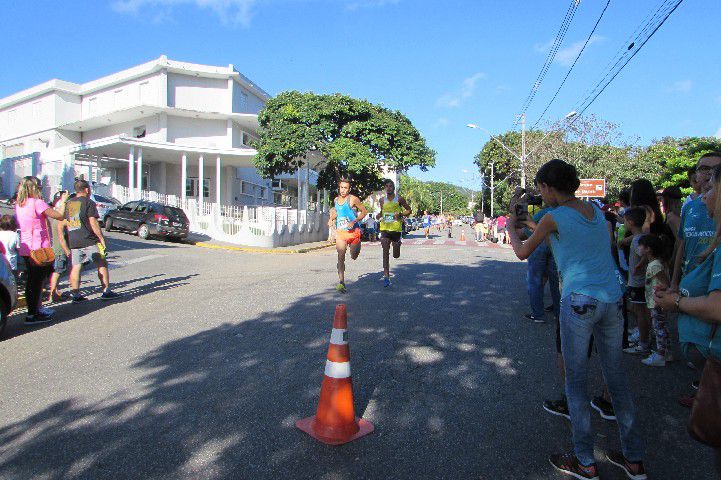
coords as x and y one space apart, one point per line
67 108
198 132
198 93
141 91
152 129
251 175
34 115
244 101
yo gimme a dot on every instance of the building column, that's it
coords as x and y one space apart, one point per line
200 185
318 206
163 180
306 187
218 177
300 190
139 176
131 174
183 177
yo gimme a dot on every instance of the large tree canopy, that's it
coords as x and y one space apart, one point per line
355 137
422 196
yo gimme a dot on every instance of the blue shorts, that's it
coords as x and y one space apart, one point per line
61 263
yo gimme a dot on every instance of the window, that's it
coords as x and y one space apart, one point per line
247 139
128 207
118 98
143 208
37 106
247 188
191 187
277 184
93 106
146 94
139 132
262 191
12 115
101 199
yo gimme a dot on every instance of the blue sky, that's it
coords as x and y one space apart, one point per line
444 64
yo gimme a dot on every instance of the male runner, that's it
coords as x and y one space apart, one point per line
393 209
347 233
426 223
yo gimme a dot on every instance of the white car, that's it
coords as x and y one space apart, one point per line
8 292
457 223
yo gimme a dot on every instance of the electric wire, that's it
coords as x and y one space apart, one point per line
590 36
560 35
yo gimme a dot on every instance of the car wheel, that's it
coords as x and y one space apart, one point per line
3 316
108 224
143 231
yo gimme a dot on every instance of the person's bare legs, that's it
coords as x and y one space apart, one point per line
75 279
643 321
386 244
355 249
396 249
104 275
55 294
341 248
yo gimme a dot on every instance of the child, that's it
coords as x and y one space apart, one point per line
634 219
653 247
10 240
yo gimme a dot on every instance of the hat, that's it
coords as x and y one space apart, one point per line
672 192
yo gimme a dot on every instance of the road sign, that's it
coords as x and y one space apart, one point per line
592 187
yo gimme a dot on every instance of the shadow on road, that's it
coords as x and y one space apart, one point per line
445 378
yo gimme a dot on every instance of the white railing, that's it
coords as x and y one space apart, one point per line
261 225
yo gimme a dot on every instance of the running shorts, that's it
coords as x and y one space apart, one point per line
395 237
351 237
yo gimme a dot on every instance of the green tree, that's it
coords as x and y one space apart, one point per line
355 138
676 156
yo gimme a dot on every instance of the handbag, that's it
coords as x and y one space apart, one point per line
42 257
705 422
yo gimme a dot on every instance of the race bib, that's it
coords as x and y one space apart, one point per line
343 223
389 218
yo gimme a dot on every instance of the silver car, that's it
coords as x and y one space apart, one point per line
104 205
8 292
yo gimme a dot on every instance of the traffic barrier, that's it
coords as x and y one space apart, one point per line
335 422
463 235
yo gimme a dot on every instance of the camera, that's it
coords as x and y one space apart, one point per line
523 199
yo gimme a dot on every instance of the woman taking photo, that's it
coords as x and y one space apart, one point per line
32 214
699 306
589 306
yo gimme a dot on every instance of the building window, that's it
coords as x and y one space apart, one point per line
277 184
145 94
93 106
247 188
36 110
191 187
118 98
12 115
139 132
262 191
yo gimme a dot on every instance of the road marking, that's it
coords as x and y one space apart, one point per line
132 261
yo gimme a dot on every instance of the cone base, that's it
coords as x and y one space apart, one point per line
306 425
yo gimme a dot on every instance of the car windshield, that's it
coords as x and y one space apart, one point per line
101 199
175 213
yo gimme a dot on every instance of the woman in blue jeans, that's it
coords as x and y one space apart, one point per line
590 305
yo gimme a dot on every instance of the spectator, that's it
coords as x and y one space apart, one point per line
501 229
652 247
671 206
62 253
32 214
541 265
635 219
85 240
699 299
591 292
693 182
10 241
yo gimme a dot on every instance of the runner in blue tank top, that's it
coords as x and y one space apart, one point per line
344 219
581 243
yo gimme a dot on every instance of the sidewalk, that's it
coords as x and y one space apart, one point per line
204 242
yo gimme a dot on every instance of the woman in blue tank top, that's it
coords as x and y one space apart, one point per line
580 239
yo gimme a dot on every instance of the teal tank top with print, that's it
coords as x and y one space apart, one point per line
345 215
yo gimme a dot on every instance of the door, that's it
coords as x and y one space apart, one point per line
121 218
137 216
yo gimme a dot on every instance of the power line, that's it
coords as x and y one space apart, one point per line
590 36
658 19
560 35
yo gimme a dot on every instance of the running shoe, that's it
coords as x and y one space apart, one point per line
79 298
638 350
109 295
654 360
569 464
46 311
535 319
386 282
634 336
37 319
340 288
633 470
604 408
557 407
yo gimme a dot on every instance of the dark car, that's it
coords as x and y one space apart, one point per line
149 219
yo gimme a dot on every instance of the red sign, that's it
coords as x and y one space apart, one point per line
592 187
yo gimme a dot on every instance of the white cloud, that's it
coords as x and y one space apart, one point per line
718 133
566 56
441 122
681 86
468 88
229 11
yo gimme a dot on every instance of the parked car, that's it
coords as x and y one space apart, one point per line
8 291
149 219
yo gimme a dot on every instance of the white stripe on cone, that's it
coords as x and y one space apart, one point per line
338 336
337 369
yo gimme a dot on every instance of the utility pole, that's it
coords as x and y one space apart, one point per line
493 189
523 150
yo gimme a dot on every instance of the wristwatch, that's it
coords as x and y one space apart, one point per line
678 302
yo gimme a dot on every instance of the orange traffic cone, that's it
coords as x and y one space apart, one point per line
463 235
335 422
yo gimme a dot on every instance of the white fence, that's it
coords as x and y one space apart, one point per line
255 226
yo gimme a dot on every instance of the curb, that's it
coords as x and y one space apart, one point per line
260 250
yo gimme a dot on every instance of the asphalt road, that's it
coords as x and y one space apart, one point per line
202 368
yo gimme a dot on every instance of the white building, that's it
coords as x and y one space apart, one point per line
174 132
